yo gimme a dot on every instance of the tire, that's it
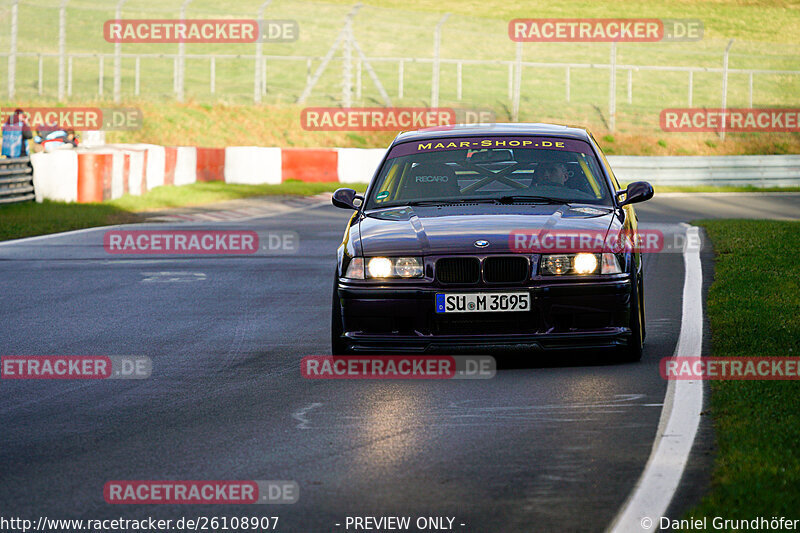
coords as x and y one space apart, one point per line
633 351
641 307
338 346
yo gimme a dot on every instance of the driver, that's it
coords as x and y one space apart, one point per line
553 174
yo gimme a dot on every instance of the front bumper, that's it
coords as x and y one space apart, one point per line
564 314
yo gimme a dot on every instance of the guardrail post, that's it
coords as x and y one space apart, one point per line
437 39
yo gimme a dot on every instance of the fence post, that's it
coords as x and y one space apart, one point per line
358 79
62 45
100 76
213 75
517 84
400 76
612 89
725 87
69 76
458 80
181 55
630 85
437 38
347 72
510 80
12 56
118 58
258 76
138 78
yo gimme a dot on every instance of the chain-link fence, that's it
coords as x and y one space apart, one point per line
362 56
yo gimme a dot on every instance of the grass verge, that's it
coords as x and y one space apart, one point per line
218 191
30 219
753 309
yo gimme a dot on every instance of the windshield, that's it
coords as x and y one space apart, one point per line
502 169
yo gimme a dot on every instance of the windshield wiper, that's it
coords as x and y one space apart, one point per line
452 201
531 198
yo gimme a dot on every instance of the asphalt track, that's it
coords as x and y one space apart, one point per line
544 446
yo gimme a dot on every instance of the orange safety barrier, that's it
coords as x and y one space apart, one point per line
170 159
94 177
309 164
210 164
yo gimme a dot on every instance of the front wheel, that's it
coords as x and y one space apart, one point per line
633 351
338 347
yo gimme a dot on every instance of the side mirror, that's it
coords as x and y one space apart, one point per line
346 199
638 191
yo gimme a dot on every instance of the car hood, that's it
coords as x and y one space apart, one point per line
453 230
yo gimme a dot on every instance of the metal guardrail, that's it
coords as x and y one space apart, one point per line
16 180
753 170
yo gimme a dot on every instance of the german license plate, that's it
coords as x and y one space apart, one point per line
482 302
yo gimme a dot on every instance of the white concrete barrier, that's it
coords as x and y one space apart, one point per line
357 165
252 165
186 165
55 175
136 176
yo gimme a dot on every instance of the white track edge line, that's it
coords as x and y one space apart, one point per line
680 416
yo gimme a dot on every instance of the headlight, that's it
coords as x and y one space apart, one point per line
579 264
394 267
585 263
379 267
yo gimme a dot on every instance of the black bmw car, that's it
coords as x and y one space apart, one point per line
481 237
